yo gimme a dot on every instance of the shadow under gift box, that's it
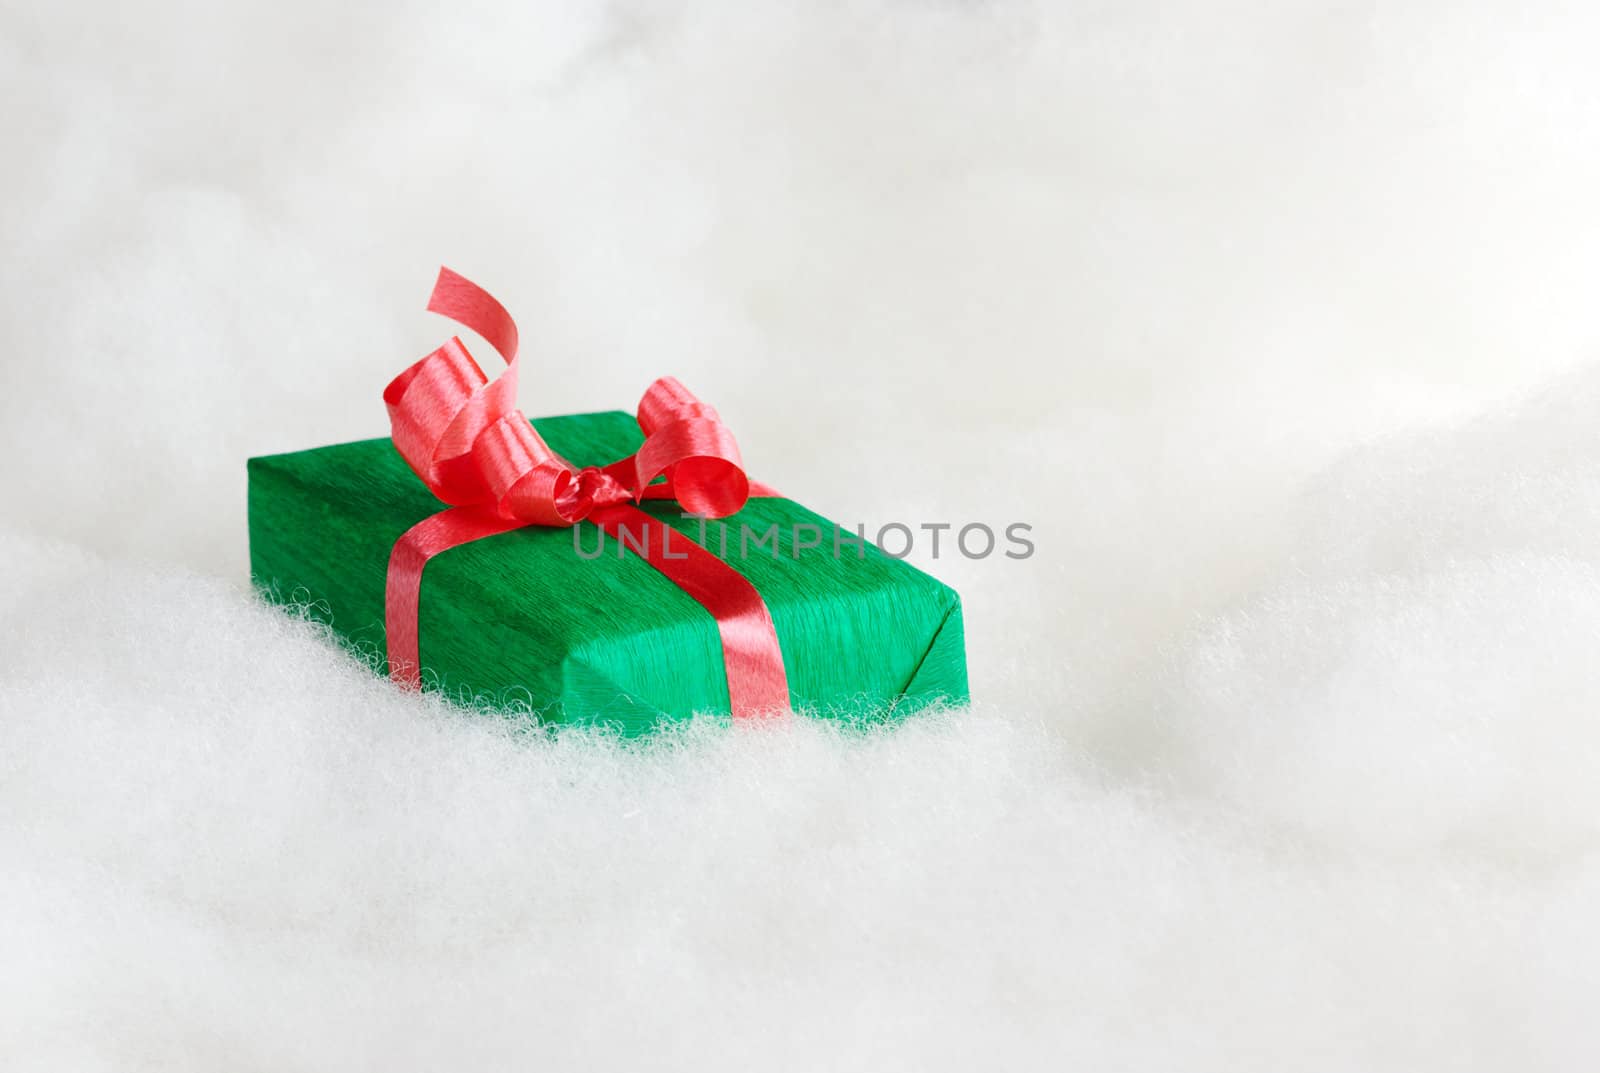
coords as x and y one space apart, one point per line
523 619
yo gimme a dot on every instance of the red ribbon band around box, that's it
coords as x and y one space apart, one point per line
463 435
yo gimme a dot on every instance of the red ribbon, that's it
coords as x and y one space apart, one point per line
472 447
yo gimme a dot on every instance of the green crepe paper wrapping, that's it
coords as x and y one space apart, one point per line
522 620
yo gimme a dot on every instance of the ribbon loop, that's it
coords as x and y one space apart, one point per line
686 441
668 400
701 463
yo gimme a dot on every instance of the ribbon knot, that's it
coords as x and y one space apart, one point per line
601 489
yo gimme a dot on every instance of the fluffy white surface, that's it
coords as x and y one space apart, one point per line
1272 318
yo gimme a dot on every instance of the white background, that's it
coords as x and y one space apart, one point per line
1274 319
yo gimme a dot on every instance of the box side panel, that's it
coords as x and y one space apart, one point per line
942 676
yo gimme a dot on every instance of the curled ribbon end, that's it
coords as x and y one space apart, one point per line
463 301
446 277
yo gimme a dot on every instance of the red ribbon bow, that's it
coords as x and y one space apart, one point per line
472 447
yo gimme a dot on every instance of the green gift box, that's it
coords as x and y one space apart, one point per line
573 624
